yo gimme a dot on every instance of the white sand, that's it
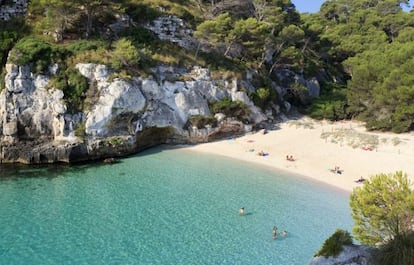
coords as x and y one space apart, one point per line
315 155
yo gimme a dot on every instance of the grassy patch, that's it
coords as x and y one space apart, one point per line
351 137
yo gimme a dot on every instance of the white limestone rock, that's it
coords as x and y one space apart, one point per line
18 79
173 29
313 87
94 72
256 114
127 97
115 98
29 102
351 255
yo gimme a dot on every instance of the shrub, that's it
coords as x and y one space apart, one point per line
98 56
7 40
74 86
237 109
331 105
383 208
323 108
114 141
334 244
36 51
2 79
138 35
80 130
142 12
124 55
262 97
85 45
201 121
399 251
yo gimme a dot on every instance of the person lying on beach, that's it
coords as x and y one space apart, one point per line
261 153
360 180
290 158
336 170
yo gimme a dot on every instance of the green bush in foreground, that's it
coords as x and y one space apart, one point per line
383 208
399 251
334 244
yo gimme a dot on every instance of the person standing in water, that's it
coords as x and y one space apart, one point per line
241 211
274 232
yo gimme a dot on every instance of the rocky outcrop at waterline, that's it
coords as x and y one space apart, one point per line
351 255
125 116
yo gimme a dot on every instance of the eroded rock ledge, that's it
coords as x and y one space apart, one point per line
126 116
351 255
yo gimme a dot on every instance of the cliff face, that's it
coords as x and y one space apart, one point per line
124 117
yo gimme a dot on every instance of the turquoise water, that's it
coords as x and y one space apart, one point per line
164 207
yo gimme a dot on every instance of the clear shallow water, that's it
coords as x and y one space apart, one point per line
164 207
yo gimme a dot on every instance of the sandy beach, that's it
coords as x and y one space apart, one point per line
318 147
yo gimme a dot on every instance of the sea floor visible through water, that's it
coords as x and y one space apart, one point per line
164 206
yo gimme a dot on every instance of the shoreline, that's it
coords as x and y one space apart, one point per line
318 147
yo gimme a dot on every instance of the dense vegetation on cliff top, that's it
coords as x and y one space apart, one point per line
361 51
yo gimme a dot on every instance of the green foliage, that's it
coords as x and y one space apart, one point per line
10 32
381 90
2 79
383 208
217 30
333 246
331 105
399 251
74 87
251 34
80 130
263 96
124 54
231 108
141 12
140 36
36 51
185 9
292 34
114 141
200 121
99 56
80 46
7 40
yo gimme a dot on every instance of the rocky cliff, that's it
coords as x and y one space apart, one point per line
124 117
